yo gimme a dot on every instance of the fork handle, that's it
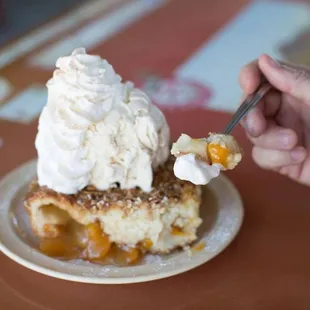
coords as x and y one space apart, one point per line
250 102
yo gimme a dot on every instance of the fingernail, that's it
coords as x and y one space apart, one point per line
273 63
249 126
298 155
285 140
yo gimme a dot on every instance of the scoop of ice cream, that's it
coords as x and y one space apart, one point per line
189 168
96 130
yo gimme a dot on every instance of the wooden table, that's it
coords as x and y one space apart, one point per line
266 267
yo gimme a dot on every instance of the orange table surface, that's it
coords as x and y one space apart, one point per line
266 267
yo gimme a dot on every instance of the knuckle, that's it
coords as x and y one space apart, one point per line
300 76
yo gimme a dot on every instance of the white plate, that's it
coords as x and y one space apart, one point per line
222 221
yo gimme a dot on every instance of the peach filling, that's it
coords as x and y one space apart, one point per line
218 154
199 246
177 231
92 244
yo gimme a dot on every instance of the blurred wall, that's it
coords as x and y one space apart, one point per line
20 16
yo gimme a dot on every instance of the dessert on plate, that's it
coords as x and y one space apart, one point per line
105 188
200 160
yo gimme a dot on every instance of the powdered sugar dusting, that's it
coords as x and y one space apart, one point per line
151 259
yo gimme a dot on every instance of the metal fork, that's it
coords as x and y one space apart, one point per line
250 102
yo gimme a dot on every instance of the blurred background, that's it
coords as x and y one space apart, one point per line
184 53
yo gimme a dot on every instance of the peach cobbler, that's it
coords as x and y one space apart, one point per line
105 189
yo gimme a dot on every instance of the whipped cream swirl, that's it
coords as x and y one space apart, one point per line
96 130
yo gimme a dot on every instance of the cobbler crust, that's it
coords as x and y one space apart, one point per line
167 190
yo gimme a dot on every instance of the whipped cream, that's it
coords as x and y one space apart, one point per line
96 130
188 167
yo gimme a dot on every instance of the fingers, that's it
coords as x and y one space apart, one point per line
255 121
249 77
274 147
272 103
276 138
290 79
277 147
274 159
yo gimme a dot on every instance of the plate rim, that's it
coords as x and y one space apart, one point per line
112 280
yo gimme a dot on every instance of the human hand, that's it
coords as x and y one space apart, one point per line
279 126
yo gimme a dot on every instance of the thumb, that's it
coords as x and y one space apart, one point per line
294 80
